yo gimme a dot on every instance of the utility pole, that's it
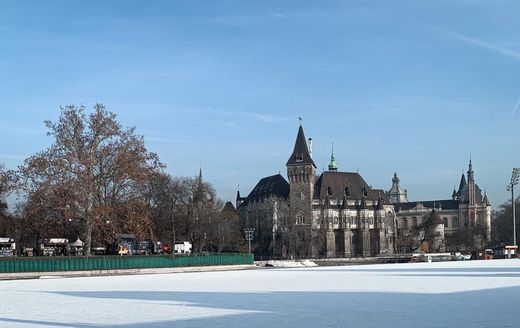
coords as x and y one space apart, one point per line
511 187
249 236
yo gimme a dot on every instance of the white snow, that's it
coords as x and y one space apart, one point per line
439 294
289 264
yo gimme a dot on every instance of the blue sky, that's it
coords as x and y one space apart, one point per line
406 86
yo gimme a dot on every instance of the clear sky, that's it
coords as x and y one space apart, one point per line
406 86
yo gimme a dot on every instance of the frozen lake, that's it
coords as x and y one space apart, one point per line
451 294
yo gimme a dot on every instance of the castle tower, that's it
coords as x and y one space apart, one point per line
301 172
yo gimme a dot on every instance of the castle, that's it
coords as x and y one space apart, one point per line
337 214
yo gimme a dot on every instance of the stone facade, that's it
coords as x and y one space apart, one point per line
466 218
337 214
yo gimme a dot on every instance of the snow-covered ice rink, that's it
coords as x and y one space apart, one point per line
450 294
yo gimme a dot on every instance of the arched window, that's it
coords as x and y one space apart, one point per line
299 219
445 221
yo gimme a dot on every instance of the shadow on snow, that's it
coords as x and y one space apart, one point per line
482 308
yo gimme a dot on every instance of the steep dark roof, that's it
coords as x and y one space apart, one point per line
464 194
229 211
462 183
339 182
446 204
274 185
434 218
300 154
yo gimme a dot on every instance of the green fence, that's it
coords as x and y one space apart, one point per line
46 264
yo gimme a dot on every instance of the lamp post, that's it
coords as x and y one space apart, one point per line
511 187
249 236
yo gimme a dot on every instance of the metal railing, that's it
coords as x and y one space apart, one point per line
82 263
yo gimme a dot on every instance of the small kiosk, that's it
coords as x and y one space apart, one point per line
76 248
510 251
505 251
54 247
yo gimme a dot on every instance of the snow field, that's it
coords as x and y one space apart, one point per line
442 294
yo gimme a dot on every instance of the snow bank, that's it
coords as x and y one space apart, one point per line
289 264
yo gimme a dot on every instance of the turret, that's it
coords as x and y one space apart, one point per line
471 184
333 166
396 194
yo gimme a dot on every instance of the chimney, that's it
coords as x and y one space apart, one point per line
309 144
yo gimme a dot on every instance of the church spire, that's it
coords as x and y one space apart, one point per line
471 184
333 166
300 154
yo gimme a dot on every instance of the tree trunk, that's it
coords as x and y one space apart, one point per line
88 236
173 233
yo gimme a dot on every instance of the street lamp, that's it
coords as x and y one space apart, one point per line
249 236
511 187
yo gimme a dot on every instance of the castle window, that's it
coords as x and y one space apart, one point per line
347 192
329 190
405 224
299 157
445 221
299 219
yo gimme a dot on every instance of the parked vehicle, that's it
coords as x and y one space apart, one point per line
98 251
144 248
7 247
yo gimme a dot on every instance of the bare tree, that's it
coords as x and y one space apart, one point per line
92 172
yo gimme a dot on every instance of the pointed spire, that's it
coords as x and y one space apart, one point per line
486 199
470 170
344 204
300 154
238 195
333 166
454 194
380 204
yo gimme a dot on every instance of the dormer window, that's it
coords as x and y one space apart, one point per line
329 190
299 157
